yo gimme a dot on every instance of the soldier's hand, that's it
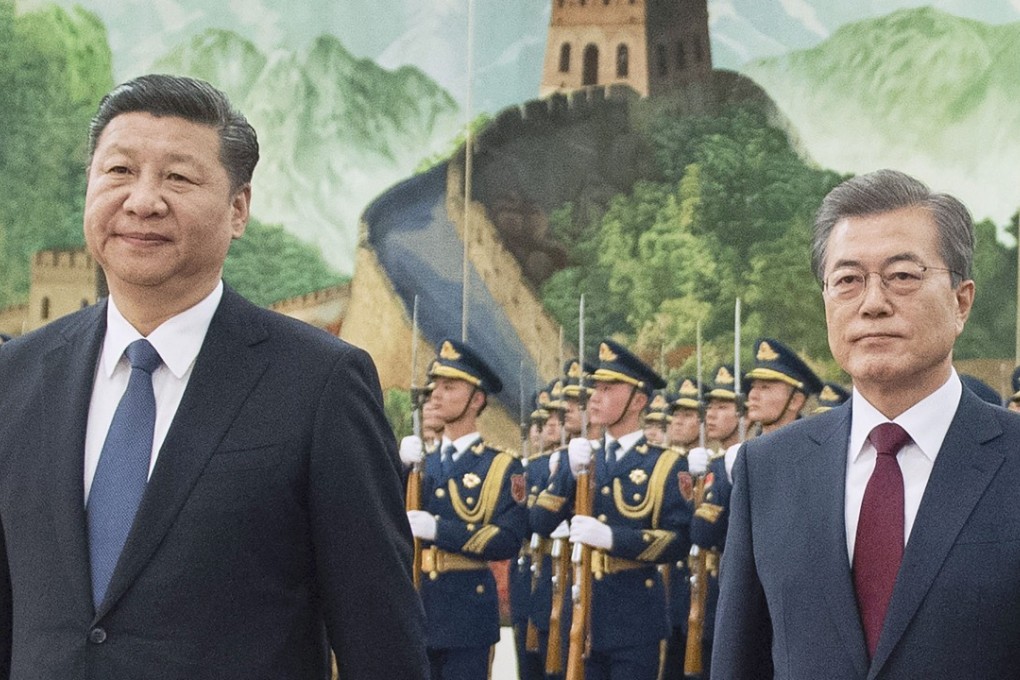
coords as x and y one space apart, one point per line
562 530
423 525
554 463
697 460
410 450
730 459
590 531
579 453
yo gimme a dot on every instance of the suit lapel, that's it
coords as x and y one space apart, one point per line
70 371
226 370
962 471
826 465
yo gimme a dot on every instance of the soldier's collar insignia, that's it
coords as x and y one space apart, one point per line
641 448
828 394
606 354
471 480
478 448
766 353
448 352
638 476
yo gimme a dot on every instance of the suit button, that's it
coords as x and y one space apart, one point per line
97 636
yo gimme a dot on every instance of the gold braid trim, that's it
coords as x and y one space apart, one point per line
659 539
652 503
548 501
709 512
476 544
489 496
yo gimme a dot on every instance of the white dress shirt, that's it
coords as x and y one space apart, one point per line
461 444
926 422
627 442
178 340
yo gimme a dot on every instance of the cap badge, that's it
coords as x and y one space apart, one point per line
448 352
723 376
766 353
606 354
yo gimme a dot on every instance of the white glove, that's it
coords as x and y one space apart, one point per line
697 460
590 531
423 525
730 459
579 452
562 530
410 450
554 463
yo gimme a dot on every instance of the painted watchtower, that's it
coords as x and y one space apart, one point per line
651 45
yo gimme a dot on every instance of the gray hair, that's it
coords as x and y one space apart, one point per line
886 190
193 100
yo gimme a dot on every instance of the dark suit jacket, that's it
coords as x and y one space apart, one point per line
272 526
788 609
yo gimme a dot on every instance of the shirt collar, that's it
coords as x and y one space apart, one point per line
627 441
925 421
178 339
462 443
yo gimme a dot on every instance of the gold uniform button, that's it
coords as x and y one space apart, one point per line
646 538
470 527
637 496
598 576
480 590
469 500
433 575
601 518
440 493
649 583
534 489
605 491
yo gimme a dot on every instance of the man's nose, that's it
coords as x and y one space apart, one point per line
145 198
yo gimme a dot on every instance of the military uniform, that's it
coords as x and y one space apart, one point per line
644 498
477 498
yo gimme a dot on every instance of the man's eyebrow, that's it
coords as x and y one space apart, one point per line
906 256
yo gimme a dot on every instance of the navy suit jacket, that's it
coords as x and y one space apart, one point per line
787 608
272 527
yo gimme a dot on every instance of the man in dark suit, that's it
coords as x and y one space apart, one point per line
247 517
880 539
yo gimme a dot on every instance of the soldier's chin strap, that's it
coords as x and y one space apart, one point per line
467 404
782 411
633 393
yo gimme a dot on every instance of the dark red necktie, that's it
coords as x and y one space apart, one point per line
878 549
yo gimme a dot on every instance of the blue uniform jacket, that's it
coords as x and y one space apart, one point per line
480 518
645 499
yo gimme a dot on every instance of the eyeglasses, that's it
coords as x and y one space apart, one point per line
899 278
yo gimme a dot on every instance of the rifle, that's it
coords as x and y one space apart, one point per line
412 500
697 563
560 580
693 664
584 501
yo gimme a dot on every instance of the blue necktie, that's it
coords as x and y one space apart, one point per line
123 468
612 449
447 459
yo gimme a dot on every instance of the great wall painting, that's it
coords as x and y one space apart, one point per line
362 108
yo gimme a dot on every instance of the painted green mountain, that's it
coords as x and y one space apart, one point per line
334 130
919 90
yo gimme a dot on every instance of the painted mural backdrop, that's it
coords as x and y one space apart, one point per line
663 209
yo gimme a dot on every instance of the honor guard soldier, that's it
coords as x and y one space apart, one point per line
530 589
640 519
831 396
780 385
682 434
657 418
473 497
1013 403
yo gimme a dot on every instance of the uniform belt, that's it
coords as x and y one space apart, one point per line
602 563
436 561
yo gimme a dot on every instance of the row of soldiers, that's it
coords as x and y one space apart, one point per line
620 474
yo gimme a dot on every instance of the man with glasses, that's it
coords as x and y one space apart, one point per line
867 542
